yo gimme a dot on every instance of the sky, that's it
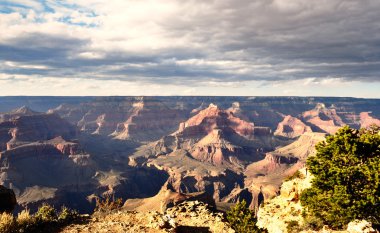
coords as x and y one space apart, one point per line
190 47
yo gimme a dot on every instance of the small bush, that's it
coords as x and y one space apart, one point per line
25 221
46 213
296 175
108 203
293 227
312 223
67 215
7 223
242 219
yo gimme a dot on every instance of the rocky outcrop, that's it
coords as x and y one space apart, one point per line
7 200
208 153
32 128
303 147
214 117
137 118
190 176
26 127
149 120
165 199
275 214
219 137
22 111
291 127
218 148
362 226
41 159
40 172
366 120
188 216
265 176
323 119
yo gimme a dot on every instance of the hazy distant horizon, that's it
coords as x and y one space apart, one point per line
211 96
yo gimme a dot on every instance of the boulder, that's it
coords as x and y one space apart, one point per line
7 200
360 226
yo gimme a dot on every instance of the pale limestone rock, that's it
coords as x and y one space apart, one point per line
286 207
358 226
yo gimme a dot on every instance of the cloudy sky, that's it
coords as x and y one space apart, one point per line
190 47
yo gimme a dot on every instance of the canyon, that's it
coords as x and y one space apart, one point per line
156 151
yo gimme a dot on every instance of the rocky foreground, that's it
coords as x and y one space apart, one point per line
191 216
276 214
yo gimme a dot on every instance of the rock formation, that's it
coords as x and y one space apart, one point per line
149 120
275 213
323 119
22 111
138 118
165 199
303 147
7 200
188 216
213 117
208 153
366 120
30 128
266 176
40 158
291 127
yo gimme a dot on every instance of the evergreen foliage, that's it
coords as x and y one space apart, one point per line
346 184
46 213
242 219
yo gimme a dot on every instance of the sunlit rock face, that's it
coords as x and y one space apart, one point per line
323 119
149 120
291 127
277 212
138 118
366 120
23 126
214 117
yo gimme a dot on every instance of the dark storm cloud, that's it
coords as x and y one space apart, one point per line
229 41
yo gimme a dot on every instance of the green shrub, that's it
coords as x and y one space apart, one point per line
346 184
297 174
242 219
67 215
293 227
312 222
46 213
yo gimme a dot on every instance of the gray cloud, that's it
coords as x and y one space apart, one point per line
229 41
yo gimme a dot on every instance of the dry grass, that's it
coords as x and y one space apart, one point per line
43 220
7 223
108 203
25 220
